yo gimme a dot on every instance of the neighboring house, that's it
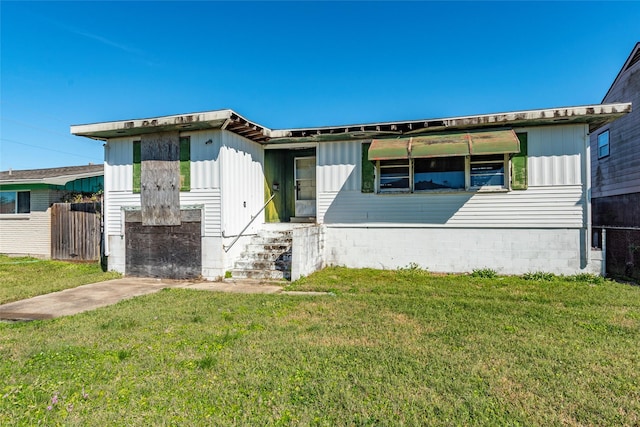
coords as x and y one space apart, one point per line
615 154
26 197
506 191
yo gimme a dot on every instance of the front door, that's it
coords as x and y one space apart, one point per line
305 186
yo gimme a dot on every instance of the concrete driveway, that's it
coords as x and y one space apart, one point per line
95 295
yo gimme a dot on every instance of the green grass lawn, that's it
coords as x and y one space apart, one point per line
384 348
25 277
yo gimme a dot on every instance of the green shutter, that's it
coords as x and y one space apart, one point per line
519 180
368 170
137 166
185 163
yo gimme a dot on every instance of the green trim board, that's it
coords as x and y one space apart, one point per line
519 172
448 144
27 187
185 163
137 166
368 171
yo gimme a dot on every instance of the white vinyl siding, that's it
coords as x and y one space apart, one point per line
205 159
242 183
338 166
555 197
243 180
535 207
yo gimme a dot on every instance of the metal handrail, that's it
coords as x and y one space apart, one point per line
226 248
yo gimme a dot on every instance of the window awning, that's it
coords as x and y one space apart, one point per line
446 145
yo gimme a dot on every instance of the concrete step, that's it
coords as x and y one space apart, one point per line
275 234
255 264
266 256
260 274
269 247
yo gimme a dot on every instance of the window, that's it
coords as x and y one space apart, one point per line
603 144
476 160
15 202
395 175
438 173
485 172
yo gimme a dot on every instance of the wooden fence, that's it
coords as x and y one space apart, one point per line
75 231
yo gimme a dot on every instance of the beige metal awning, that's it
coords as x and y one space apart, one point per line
446 145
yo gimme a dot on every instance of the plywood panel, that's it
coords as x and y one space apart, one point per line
160 179
172 252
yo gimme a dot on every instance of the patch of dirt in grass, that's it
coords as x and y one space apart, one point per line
357 324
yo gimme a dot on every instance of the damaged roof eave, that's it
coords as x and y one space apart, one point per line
219 119
594 115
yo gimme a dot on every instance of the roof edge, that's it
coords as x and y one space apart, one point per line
623 69
596 115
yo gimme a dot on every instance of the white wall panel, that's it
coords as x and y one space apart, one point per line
114 202
210 200
242 182
555 154
338 166
205 161
118 168
540 206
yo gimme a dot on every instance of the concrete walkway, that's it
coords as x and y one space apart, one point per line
95 295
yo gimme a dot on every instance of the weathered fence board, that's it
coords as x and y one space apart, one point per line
75 231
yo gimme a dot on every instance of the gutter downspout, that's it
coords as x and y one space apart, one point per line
107 177
587 197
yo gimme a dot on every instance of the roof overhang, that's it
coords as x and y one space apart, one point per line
52 180
634 58
220 119
593 115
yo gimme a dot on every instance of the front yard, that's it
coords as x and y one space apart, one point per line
383 348
25 277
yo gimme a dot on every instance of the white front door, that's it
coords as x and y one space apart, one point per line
305 186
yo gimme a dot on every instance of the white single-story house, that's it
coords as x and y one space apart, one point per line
26 197
184 194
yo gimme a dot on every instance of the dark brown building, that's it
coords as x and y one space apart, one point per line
615 154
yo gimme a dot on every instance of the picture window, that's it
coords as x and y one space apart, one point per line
15 202
459 173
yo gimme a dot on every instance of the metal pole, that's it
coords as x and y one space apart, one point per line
604 252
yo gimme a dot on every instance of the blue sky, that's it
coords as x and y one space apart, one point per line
293 64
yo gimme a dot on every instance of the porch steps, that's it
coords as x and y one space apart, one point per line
267 256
